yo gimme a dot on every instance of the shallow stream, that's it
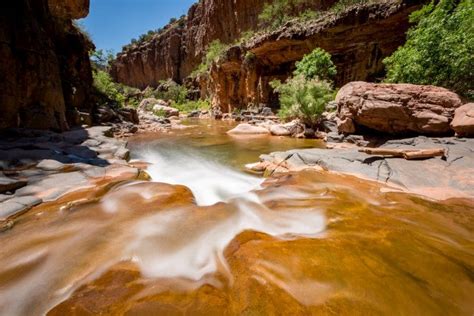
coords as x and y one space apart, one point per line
204 237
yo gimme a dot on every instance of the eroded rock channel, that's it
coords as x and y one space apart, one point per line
214 240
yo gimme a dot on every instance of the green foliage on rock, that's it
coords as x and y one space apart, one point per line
105 85
278 12
439 49
317 64
107 91
342 5
302 98
171 91
214 51
189 106
168 90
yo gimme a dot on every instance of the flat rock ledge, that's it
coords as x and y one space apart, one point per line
438 178
42 166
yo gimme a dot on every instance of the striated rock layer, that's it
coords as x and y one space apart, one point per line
46 72
358 38
179 49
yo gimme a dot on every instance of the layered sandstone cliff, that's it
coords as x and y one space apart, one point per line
177 51
45 67
358 40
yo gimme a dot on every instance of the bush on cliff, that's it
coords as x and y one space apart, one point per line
303 99
317 64
214 51
439 49
279 12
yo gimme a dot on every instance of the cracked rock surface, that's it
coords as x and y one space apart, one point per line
438 178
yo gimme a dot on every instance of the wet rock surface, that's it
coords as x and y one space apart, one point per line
438 178
376 250
40 166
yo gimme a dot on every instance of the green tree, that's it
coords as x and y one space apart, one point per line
101 59
317 64
304 99
439 49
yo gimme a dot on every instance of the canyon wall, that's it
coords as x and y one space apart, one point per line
45 67
358 40
178 51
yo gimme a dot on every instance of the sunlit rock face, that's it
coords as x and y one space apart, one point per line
46 73
358 41
180 49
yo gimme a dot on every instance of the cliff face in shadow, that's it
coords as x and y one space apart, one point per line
177 51
46 72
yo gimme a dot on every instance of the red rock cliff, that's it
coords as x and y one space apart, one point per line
45 67
358 40
179 50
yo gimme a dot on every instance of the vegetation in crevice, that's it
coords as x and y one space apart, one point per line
214 51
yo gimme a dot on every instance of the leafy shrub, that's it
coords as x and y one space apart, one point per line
112 93
104 85
277 13
439 49
171 91
190 106
309 15
159 113
342 5
303 98
317 64
215 50
244 37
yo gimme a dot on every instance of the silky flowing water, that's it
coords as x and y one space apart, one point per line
205 238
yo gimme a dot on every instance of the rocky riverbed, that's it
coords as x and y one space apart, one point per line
438 177
42 166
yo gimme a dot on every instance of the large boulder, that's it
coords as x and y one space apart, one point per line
397 108
166 111
463 123
247 129
148 104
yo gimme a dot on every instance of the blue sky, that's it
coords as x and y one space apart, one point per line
113 23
